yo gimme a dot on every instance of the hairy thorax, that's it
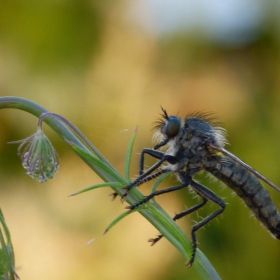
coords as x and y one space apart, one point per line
191 153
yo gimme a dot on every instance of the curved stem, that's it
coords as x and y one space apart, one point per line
60 128
81 136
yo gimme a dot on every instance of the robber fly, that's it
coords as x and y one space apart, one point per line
194 144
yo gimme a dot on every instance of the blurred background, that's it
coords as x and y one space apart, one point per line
107 66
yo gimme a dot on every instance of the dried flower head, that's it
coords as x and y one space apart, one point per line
38 156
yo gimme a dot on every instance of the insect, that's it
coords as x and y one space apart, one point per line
196 143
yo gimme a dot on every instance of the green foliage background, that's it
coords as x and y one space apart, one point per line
88 62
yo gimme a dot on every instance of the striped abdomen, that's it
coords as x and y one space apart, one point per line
248 187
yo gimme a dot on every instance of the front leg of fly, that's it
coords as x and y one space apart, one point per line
151 152
159 192
149 175
162 143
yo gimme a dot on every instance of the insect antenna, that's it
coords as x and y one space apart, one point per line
164 115
248 167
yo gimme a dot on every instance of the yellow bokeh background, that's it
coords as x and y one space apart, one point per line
88 62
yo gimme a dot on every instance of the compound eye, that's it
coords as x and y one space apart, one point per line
171 127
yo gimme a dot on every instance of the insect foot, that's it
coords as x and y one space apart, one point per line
155 240
113 195
124 196
132 207
189 263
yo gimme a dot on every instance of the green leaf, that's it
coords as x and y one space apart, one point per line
120 217
128 156
123 215
159 180
7 258
102 185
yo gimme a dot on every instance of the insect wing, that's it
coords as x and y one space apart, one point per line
248 167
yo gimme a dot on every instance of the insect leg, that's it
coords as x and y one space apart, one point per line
146 179
162 143
153 176
208 195
179 216
141 178
156 154
159 192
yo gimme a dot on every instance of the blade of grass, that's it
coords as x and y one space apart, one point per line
7 259
115 221
123 215
158 181
128 156
102 185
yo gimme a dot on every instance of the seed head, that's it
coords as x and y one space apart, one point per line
38 156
